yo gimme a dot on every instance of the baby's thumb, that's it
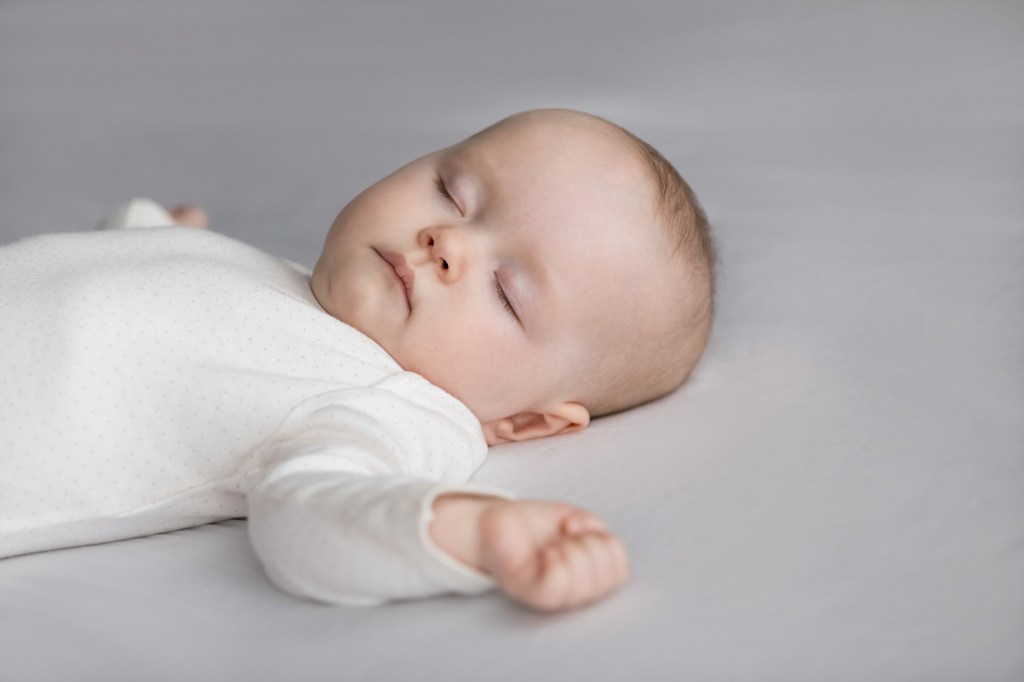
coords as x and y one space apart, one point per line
581 522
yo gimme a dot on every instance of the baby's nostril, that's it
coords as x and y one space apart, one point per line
444 264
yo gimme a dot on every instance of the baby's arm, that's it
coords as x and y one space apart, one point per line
548 555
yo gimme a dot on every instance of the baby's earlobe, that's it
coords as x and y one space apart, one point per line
563 418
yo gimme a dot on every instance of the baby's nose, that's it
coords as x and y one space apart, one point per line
445 250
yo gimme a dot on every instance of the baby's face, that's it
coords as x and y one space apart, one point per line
521 249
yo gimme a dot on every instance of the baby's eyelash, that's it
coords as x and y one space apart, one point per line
443 189
504 300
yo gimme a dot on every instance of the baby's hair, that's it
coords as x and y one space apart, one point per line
681 212
650 372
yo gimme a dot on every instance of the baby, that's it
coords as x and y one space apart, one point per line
548 270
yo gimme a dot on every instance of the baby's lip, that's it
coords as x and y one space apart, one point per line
403 271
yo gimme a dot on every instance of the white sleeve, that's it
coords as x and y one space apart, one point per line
341 510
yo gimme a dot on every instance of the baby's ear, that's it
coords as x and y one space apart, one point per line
559 418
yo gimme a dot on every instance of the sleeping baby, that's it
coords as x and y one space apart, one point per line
548 270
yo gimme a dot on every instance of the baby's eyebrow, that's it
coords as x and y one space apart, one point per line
454 162
459 158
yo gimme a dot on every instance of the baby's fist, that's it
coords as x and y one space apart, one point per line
550 555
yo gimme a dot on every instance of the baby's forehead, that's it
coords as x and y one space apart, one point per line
555 176
563 124
558 162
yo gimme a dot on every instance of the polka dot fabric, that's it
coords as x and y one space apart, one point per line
163 378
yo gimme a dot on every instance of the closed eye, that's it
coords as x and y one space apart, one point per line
443 189
504 301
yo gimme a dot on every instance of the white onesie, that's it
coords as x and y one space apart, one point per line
163 378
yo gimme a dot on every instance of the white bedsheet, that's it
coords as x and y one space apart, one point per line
838 494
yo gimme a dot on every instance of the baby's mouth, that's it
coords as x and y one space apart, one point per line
403 273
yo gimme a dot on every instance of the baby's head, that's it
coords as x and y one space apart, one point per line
556 268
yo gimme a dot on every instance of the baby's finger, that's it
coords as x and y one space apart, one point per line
551 591
598 575
583 522
605 562
547 587
580 558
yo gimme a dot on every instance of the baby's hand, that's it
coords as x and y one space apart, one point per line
550 555
187 215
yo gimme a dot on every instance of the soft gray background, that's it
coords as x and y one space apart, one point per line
838 495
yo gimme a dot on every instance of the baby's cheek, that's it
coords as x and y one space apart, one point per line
468 371
471 360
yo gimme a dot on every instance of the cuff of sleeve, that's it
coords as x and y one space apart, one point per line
457 575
